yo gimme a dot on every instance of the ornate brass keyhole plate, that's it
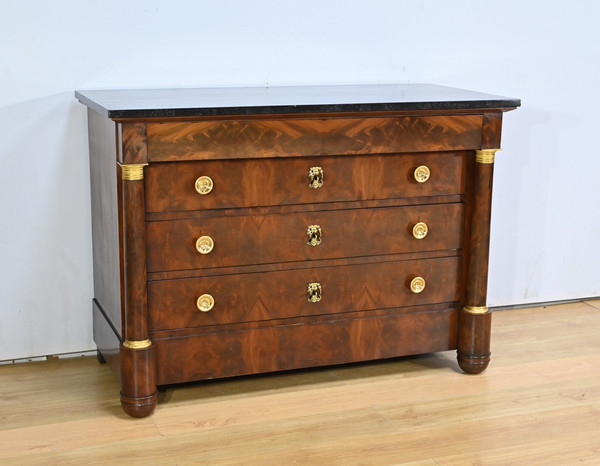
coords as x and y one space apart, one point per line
314 292
315 177
314 235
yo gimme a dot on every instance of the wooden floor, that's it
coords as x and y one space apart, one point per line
538 403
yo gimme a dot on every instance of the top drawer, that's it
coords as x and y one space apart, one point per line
264 182
222 139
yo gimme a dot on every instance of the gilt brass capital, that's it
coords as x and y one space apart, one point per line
132 172
137 344
476 310
486 155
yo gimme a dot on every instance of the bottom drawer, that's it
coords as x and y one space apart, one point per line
252 297
301 345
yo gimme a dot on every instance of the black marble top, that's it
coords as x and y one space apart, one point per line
148 103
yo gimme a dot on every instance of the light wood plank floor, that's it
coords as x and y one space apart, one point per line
538 403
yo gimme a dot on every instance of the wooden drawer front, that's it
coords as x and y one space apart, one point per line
276 295
262 239
251 183
256 138
311 344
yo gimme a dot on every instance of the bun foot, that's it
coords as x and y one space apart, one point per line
138 388
473 364
139 407
474 339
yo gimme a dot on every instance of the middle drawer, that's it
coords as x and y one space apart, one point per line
253 297
263 239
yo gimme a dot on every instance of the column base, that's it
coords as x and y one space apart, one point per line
473 364
138 388
474 339
139 406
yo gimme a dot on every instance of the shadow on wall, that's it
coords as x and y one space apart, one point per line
45 238
522 212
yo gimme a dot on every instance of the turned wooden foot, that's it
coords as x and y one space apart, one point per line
138 387
139 406
473 364
474 339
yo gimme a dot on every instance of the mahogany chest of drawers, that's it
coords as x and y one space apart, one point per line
241 231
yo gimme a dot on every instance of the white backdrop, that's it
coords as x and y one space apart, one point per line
545 226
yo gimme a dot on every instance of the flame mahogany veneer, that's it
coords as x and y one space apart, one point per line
292 276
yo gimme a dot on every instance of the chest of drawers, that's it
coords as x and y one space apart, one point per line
242 231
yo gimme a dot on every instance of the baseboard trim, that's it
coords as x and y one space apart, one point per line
49 357
542 304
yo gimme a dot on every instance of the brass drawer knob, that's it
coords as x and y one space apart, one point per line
204 185
420 230
314 292
314 235
315 177
422 174
417 285
205 303
205 244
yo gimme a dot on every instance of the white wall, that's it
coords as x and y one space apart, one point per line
546 225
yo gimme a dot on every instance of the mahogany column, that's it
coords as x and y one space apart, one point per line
138 373
475 319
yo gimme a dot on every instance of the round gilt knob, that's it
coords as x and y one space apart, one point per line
205 303
420 230
205 244
417 285
204 185
422 173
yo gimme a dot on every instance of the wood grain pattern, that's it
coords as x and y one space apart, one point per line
133 148
134 261
263 239
313 344
230 139
251 183
479 236
281 266
294 208
276 295
491 133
